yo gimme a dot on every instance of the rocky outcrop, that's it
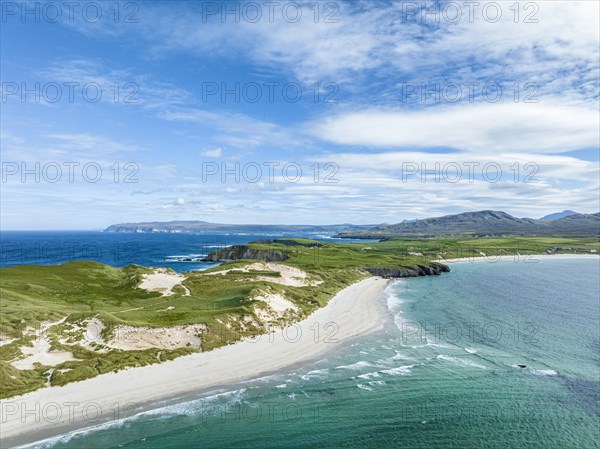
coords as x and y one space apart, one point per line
240 252
290 242
433 268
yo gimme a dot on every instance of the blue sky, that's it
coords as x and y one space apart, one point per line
382 106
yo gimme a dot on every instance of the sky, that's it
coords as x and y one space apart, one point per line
296 112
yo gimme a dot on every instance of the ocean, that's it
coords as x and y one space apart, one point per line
181 252
490 355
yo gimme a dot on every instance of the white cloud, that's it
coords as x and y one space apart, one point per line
508 127
560 50
91 144
234 128
118 86
215 152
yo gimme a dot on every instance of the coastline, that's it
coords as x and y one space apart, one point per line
53 411
525 258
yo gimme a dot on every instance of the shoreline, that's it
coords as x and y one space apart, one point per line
525 258
53 411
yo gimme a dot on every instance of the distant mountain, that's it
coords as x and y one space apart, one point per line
557 215
199 227
482 223
485 223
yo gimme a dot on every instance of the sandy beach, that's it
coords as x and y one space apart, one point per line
524 258
55 410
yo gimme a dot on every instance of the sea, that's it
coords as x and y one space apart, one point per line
179 251
493 354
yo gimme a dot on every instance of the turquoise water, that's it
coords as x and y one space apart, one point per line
442 374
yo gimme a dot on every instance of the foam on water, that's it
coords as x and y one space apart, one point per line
437 345
399 356
65 438
188 408
399 371
369 375
195 406
355 366
394 303
317 373
364 381
461 361
544 372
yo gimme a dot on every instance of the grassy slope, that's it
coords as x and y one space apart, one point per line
31 294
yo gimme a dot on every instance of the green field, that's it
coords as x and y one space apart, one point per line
78 291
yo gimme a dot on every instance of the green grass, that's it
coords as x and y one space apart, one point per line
30 295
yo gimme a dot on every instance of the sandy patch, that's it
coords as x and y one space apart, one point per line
278 303
88 334
352 312
40 353
291 276
163 281
5 340
131 338
517 258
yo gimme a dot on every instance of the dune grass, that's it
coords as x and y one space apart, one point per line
78 291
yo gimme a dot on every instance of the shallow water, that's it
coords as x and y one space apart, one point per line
443 374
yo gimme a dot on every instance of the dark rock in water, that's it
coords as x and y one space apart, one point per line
434 268
241 252
522 366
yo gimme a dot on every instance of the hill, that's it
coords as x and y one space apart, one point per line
557 215
485 223
199 227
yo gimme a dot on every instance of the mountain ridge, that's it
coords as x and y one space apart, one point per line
485 223
478 223
197 226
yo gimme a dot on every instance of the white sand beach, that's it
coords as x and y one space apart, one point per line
517 258
50 411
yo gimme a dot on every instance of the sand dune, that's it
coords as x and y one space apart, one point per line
352 312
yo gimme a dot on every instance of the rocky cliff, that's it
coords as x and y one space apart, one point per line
433 268
240 252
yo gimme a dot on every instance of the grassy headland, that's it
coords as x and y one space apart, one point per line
57 304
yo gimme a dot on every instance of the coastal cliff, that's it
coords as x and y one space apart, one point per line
246 252
241 252
433 268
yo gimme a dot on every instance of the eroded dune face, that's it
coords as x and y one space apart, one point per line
131 338
291 276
